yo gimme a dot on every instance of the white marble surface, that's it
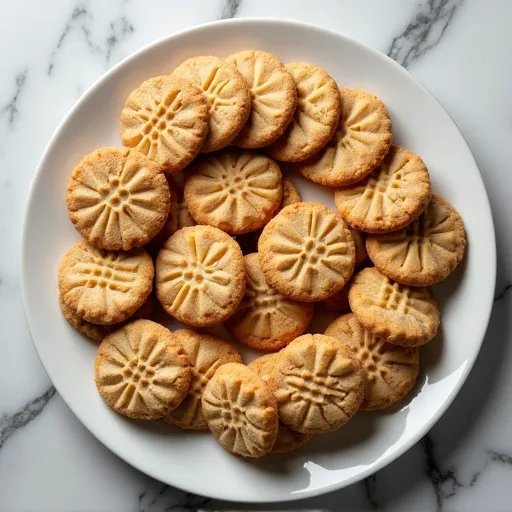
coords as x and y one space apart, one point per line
54 50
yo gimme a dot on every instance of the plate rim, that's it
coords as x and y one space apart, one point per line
23 258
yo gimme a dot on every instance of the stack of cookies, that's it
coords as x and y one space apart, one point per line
229 240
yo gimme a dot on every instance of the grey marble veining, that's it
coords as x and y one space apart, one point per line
465 462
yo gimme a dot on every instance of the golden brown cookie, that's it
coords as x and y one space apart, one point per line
391 197
141 371
117 199
317 385
206 354
359 144
227 95
200 276
236 191
265 319
400 314
166 118
426 251
316 115
97 331
105 287
390 370
306 252
241 411
287 439
290 194
274 97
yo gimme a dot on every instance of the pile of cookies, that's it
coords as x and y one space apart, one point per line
232 126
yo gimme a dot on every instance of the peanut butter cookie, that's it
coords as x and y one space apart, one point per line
141 371
287 439
200 276
359 144
166 118
426 251
306 252
274 97
290 194
400 314
241 411
318 386
206 354
316 115
236 191
265 319
227 95
392 196
390 370
117 199
105 287
97 331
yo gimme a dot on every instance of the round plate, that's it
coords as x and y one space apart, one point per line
193 460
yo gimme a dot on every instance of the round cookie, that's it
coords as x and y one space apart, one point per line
105 287
274 97
140 371
359 144
97 331
117 199
227 95
390 370
200 276
206 354
306 252
316 115
392 196
426 251
317 385
290 194
287 439
166 118
265 319
236 191
400 314
241 411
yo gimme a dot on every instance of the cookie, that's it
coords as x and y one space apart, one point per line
274 97
306 252
236 191
166 118
316 115
265 319
317 385
400 314
338 301
290 194
287 439
359 144
241 411
105 287
206 354
140 371
97 331
390 370
426 251
200 276
117 199
227 95
392 196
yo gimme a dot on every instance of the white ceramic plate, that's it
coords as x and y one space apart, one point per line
194 461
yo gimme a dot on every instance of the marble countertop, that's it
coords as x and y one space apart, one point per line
53 51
